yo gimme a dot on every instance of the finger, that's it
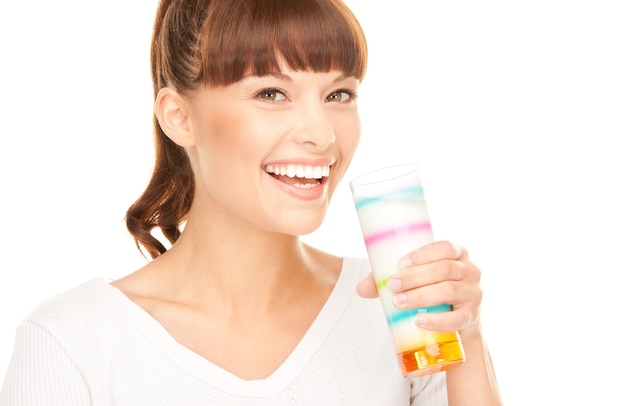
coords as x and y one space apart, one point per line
456 294
462 320
435 272
367 287
432 252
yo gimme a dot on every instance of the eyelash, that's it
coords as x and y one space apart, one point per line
351 94
267 91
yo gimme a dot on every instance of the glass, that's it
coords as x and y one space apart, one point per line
394 221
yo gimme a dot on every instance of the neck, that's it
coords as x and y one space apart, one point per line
241 270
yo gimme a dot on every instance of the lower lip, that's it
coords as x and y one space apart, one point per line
311 193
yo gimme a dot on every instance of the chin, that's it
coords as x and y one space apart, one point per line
302 226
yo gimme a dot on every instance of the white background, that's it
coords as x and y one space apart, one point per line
515 111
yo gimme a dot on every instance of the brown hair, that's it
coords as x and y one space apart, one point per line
199 43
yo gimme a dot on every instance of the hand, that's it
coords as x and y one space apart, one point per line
437 273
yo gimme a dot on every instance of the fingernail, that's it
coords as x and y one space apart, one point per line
394 285
399 299
404 262
421 320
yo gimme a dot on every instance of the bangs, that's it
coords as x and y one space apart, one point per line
304 34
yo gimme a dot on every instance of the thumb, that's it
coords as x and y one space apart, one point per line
367 287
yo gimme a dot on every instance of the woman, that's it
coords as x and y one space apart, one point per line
256 122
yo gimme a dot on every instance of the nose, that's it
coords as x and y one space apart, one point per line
313 126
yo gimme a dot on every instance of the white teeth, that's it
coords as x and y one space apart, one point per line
305 185
300 171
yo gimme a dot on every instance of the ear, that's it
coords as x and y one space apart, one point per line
171 112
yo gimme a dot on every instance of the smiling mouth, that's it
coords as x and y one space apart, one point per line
299 176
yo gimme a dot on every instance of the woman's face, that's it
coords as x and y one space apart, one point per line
271 150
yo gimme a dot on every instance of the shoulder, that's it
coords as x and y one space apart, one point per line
84 314
94 323
80 302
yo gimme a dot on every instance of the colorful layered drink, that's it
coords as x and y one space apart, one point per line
394 221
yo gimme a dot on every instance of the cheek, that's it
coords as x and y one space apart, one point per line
225 135
213 157
348 133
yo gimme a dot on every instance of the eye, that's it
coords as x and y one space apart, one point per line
271 95
341 95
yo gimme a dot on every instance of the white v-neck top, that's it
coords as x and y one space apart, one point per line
94 346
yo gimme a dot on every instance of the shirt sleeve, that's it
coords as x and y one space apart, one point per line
429 390
41 372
